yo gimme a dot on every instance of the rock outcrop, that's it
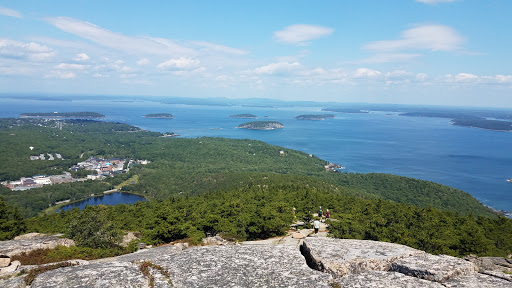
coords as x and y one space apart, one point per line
33 241
335 262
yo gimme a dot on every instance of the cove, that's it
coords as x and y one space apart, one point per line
107 199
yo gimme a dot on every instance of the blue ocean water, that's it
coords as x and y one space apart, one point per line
474 160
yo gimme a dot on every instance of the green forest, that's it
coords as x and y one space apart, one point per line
242 189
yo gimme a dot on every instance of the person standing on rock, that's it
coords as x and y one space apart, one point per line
327 213
316 224
320 212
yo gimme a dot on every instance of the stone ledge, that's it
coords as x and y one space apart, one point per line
380 279
434 268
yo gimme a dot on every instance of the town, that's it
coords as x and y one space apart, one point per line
99 168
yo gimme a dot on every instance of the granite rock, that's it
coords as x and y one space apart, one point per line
477 280
434 268
4 261
341 257
33 241
381 279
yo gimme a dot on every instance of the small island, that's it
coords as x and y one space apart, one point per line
245 116
170 134
346 110
63 115
160 116
262 125
314 117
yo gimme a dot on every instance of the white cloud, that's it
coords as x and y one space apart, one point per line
219 48
24 50
465 77
66 66
300 34
143 62
390 57
433 2
9 12
365 72
106 38
421 77
504 78
81 57
427 37
61 75
179 64
278 68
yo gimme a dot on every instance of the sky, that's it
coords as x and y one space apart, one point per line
432 52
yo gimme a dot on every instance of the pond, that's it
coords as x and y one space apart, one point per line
107 199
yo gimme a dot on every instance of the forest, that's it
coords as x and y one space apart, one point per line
242 189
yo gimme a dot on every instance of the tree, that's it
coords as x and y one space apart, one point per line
92 229
11 222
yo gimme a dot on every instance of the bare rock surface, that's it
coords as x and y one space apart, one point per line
477 280
108 274
381 279
33 241
434 268
346 256
242 266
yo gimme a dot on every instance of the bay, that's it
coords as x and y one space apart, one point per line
474 160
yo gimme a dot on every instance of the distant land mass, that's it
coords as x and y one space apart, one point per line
262 125
440 114
344 110
160 116
314 117
246 116
64 115
496 125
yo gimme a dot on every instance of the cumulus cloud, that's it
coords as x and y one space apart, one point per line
365 72
433 2
24 50
465 77
81 57
300 34
278 68
427 37
179 64
9 12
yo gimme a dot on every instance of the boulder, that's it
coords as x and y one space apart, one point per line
381 279
13 267
477 280
298 235
341 257
434 268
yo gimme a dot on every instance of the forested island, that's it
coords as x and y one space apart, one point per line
469 120
160 116
241 189
314 117
262 125
64 115
345 110
245 116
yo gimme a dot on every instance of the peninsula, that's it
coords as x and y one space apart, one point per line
160 116
262 125
345 110
63 115
245 116
314 117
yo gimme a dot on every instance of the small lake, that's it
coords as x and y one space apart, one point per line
107 199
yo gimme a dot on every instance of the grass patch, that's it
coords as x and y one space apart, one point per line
132 180
31 276
144 268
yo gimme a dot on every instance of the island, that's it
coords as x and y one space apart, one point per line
246 116
262 125
314 117
346 110
170 134
160 116
496 125
63 115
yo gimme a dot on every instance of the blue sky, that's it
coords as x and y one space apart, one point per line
438 52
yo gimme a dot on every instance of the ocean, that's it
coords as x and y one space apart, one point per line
474 160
